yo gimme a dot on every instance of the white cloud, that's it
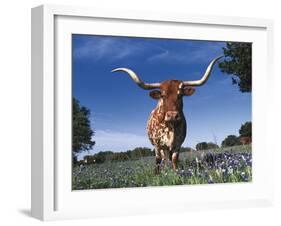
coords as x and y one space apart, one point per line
110 49
204 53
108 140
107 48
118 141
163 55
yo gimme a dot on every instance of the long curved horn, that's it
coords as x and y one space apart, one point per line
137 80
205 76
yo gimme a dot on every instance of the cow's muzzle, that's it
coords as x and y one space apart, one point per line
172 116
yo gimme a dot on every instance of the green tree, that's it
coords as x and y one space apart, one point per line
238 63
201 146
81 129
109 156
246 130
186 149
100 157
206 146
212 145
230 141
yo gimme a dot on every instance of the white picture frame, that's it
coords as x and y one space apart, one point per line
52 197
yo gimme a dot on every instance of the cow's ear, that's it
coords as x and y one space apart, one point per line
155 94
188 91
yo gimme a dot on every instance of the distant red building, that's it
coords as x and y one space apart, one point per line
246 140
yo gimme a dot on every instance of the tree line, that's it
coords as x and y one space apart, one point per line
245 131
110 156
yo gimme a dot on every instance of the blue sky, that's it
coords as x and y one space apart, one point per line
120 109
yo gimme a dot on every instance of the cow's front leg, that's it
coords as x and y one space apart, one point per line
164 156
158 160
175 157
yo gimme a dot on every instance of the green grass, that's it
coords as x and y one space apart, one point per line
224 165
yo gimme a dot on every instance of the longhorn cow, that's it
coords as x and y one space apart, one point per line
166 126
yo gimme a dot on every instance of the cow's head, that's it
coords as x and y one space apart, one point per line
170 92
170 95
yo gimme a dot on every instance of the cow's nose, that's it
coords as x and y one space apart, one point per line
172 116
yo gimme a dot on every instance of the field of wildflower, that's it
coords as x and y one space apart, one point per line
223 165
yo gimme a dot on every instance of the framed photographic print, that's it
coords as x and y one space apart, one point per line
133 112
